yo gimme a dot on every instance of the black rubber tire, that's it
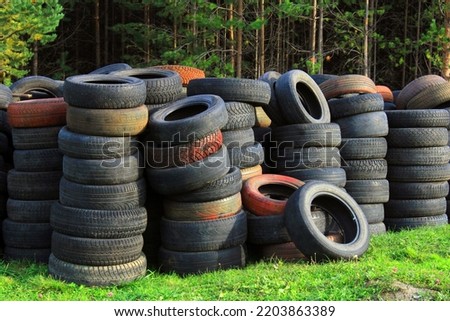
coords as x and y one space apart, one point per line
103 224
368 191
396 224
227 185
178 180
37 87
365 169
109 171
366 125
307 135
320 78
162 86
418 156
94 251
103 197
413 190
363 148
248 155
240 115
355 104
415 207
250 91
33 185
104 70
272 109
417 137
416 86
270 229
208 235
95 147
187 119
418 118
185 263
419 173
6 96
5 127
97 91
342 207
238 138
377 228
333 175
38 160
35 138
29 211
30 255
26 235
97 275
303 101
374 212
309 157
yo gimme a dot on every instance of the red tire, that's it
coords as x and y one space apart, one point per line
347 84
267 194
45 112
186 73
386 92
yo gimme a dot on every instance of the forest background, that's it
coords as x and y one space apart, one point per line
392 42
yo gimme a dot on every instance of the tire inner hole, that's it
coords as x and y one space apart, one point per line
309 100
277 192
149 76
106 82
186 112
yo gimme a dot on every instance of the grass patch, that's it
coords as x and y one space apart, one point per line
406 265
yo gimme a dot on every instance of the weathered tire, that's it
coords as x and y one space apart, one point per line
95 251
333 175
415 87
415 207
262 120
374 124
272 109
354 105
267 194
107 122
103 197
419 173
35 138
418 156
108 171
309 157
187 73
95 147
6 96
97 275
347 84
254 92
363 148
414 190
374 213
386 93
162 86
238 138
247 155
207 235
37 113
377 228
303 101
178 180
98 223
225 186
38 160
98 91
29 211
104 70
307 135
251 172
344 209
418 118
184 263
26 235
33 185
396 224
37 86
371 191
365 169
432 97
417 137
240 115
187 119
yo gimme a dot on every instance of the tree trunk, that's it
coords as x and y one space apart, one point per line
105 32
418 27
446 58
240 11
312 36
231 35
320 36
262 40
35 58
366 41
147 38
97 34
279 44
405 37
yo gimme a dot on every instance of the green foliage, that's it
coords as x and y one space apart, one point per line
23 23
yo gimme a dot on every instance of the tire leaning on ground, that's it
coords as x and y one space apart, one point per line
342 207
303 101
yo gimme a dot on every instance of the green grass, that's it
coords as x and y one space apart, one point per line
405 265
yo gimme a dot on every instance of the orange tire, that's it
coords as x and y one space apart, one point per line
45 112
267 194
186 73
386 92
249 172
347 84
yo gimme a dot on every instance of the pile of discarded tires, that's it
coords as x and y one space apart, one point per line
100 217
33 184
358 109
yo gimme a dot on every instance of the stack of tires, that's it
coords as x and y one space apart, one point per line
5 152
163 86
33 184
203 227
306 143
418 168
240 96
100 217
358 109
